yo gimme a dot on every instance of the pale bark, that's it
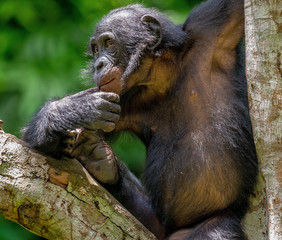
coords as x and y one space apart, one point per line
58 199
263 61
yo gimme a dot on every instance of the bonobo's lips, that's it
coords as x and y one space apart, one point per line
108 83
111 82
102 85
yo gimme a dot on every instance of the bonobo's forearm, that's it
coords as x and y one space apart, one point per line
131 194
45 131
49 125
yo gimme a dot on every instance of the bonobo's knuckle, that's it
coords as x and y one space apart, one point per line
102 104
100 116
96 102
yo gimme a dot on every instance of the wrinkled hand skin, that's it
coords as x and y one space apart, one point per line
94 153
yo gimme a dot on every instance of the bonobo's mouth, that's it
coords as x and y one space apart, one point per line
103 85
111 81
114 85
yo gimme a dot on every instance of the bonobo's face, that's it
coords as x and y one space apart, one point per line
119 42
108 64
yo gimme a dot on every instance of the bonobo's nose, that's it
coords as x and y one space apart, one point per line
100 64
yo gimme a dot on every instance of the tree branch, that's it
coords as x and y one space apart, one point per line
58 199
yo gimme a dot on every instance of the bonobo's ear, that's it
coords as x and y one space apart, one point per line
155 26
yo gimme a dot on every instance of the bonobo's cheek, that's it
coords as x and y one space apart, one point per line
111 81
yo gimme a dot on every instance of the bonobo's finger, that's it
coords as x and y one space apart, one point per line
102 125
109 117
112 97
87 91
109 127
109 106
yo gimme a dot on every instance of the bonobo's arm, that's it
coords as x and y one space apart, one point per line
98 158
89 109
219 20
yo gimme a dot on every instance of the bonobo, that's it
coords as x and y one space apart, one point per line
182 91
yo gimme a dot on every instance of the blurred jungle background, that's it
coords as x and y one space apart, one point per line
42 45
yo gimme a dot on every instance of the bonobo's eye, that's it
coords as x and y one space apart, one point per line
109 44
95 49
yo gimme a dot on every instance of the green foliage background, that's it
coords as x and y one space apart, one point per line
42 45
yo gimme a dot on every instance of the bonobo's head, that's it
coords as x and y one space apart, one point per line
124 44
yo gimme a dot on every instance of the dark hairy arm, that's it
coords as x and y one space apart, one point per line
89 109
221 20
216 27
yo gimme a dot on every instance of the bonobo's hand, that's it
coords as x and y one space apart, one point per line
88 109
94 153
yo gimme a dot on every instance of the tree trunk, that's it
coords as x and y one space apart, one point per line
58 199
263 61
